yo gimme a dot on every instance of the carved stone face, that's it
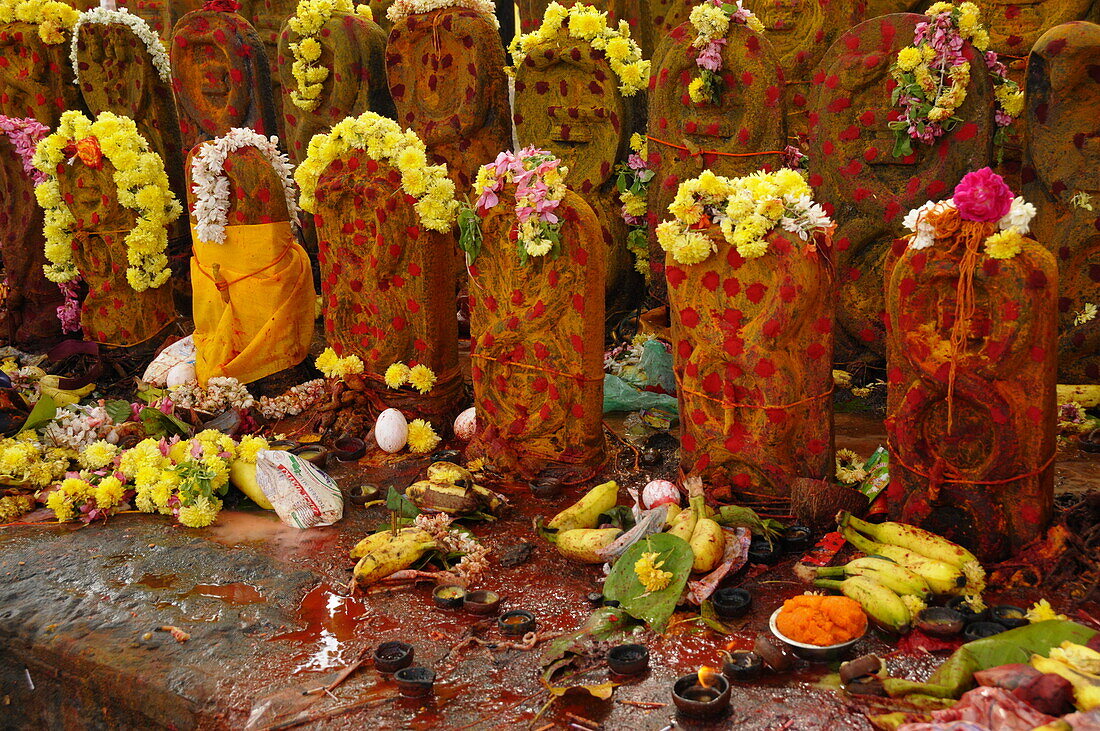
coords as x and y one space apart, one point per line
27 87
795 29
1015 25
573 108
92 198
212 87
115 69
436 82
1063 94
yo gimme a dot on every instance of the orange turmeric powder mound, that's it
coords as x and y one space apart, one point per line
821 620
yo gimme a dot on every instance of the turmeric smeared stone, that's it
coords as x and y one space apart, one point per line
972 326
1063 91
866 187
221 77
737 128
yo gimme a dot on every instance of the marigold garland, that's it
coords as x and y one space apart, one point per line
711 21
137 25
142 187
383 140
211 210
932 75
53 18
403 8
308 19
586 23
745 209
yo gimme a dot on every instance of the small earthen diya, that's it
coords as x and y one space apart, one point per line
705 694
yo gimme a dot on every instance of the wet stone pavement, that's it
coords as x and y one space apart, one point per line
83 644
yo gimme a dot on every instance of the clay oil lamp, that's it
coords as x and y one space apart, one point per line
796 539
764 551
628 659
742 665
1008 615
449 596
969 614
362 494
545 487
315 454
705 694
481 602
349 449
516 623
731 602
980 630
415 681
389 657
940 622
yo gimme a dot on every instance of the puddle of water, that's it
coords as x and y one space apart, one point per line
237 594
235 528
157 581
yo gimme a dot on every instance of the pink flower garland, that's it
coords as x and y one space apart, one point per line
25 133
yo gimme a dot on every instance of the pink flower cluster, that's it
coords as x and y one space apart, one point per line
710 58
69 311
25 133
982 196
527 170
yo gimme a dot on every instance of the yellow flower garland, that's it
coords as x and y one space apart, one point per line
746 209
333 366
586 23
142 187
308 19
53 18
383 140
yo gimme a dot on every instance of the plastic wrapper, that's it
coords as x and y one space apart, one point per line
302 495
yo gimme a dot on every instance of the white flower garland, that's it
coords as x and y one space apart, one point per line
140 29
211 187
1016 222
403 8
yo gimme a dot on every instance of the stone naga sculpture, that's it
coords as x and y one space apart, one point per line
1063 148
221 77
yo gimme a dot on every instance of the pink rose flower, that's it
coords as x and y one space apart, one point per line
982 196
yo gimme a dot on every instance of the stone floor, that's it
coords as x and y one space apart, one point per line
81 644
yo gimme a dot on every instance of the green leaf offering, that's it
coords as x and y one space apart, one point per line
44 411
401 505
654 608
118 410
159 424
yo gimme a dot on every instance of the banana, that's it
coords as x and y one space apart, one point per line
377 540
1086 686
394 554
883 606
673 511
243 475
585 512
708 545
48 385
684 525
893 576
911 537
942 578
584 544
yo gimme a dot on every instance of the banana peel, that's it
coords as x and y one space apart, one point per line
450 488
1079 665
382 538
392 553
48 385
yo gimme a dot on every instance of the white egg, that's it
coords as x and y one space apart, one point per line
659 492
391 431
466 424
180 374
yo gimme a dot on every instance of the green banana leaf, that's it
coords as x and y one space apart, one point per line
603 624
956 675
653 608
43 412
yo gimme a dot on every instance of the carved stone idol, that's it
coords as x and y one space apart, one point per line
868 189
221 77
446 76
36 77
1063 91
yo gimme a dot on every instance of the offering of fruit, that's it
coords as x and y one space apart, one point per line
821 620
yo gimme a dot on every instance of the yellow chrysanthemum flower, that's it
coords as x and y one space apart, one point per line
397 375
108 493
421 378
422 438
909 58
649 573
1004 244
98 455
200 513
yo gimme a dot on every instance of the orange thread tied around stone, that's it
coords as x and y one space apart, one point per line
540 369
697 153
969 237
895 455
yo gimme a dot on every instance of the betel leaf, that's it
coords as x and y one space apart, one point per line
118 410
159 424
469 232
653 608
398 503
903 145
44 411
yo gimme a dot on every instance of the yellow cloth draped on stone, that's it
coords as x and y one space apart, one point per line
253 302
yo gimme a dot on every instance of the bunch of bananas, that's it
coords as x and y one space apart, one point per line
697 526
904 566
388 552
450 488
